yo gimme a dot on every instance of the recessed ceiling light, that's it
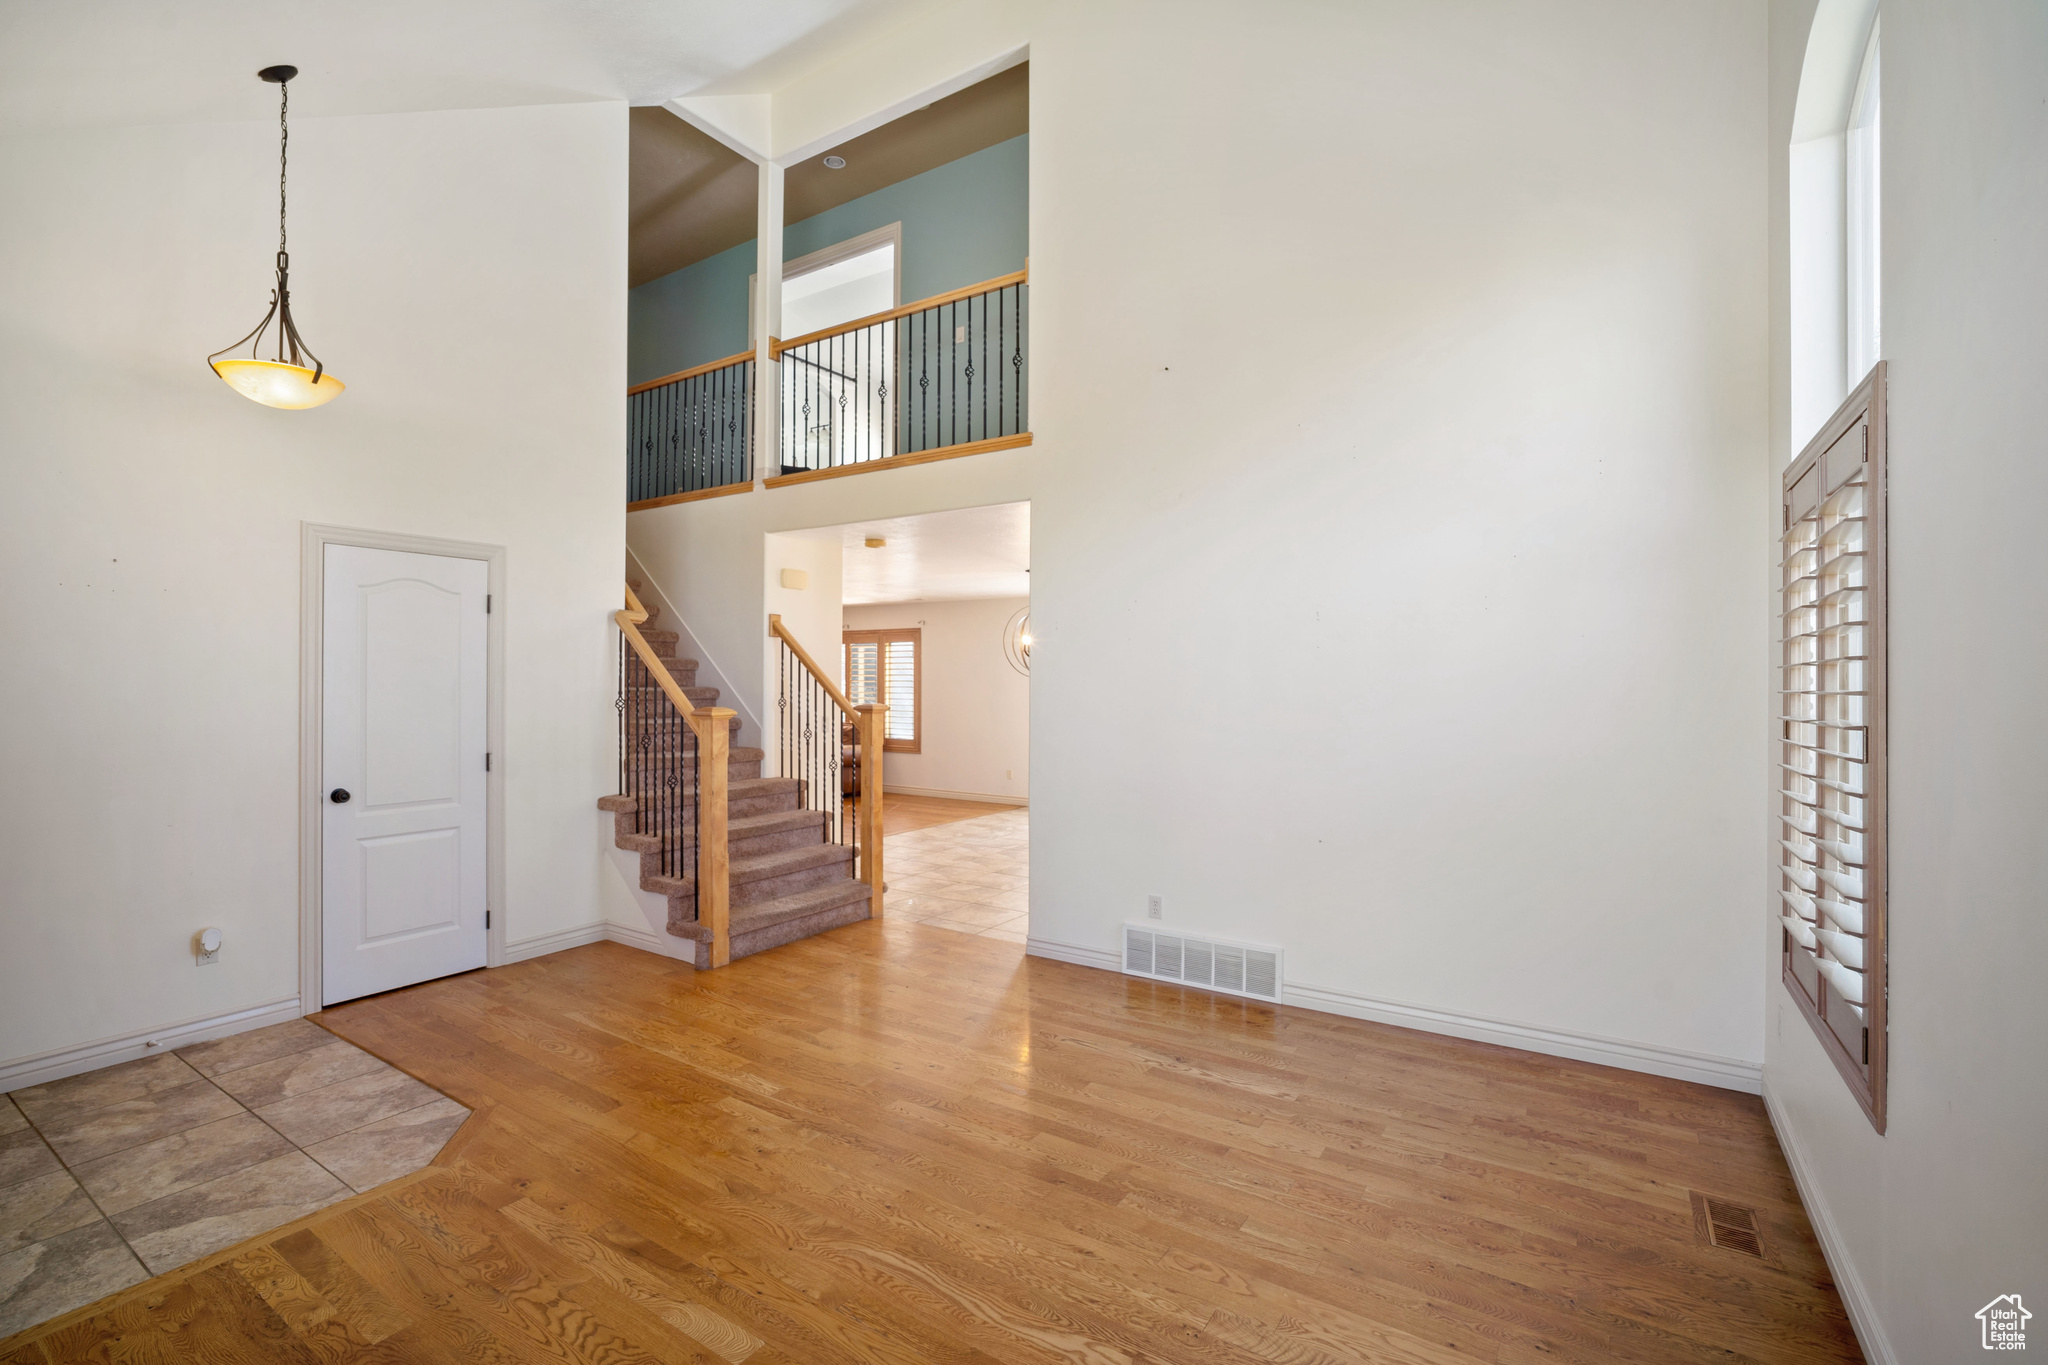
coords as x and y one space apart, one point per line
835 163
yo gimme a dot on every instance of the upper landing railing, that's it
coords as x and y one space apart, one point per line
943 376
691 431
940 377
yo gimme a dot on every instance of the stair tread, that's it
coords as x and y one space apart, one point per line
768 914
764 865
743 826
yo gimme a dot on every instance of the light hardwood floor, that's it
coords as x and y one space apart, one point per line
896 1144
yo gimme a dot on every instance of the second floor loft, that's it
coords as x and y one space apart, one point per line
898 331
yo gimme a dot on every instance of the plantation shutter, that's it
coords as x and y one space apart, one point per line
900 671
886 666
863 674
1831 788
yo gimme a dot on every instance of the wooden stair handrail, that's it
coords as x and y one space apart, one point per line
628 620
803 656
869 720
706 368
904 310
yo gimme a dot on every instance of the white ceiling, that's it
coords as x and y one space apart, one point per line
110 63
940 556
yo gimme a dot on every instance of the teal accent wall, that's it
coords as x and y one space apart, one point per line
965 221
689 316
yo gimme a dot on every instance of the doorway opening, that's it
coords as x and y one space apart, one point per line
930 616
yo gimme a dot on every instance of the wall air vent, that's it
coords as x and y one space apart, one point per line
1236 968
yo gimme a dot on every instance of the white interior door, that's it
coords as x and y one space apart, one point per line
402 741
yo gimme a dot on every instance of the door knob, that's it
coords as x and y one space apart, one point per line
338 795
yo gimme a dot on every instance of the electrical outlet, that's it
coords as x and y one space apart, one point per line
1009 774
1153 908
206 947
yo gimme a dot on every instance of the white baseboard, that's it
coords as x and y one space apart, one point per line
661 945
1856 1296
1703 1068
1074 953
1726 1073
556 942
70 1061
891 789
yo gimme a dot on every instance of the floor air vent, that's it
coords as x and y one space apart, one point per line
1238 968
1728 1226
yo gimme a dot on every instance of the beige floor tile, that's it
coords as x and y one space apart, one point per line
130 1123
314 1069
192 1223
1006 934
59 1101
23 1156
155 1169
11 1120
390 1148
307 1119
37 1210
223 1055
68 1271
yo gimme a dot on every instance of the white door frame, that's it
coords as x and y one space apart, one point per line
891 235
313 542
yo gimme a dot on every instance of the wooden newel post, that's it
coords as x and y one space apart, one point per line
873 716
713 725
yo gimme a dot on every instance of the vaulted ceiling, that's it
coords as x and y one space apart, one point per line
112 63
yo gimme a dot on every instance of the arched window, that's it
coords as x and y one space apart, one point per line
1835 262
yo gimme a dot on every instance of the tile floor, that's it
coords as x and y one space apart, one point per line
113 1176
971 876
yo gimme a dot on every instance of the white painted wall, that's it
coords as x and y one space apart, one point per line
977 709
810 613
464 273
1948 1209
1431 534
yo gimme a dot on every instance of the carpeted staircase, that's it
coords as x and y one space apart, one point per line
787 882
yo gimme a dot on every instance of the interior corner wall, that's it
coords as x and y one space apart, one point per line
1946 1210
975 721
464 273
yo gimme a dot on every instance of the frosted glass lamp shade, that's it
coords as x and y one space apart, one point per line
275 384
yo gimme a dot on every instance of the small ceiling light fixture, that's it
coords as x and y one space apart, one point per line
835 162
282 382
876 542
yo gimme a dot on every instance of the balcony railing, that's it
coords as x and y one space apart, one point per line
942 376
691 434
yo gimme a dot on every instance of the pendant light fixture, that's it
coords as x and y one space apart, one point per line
282 382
